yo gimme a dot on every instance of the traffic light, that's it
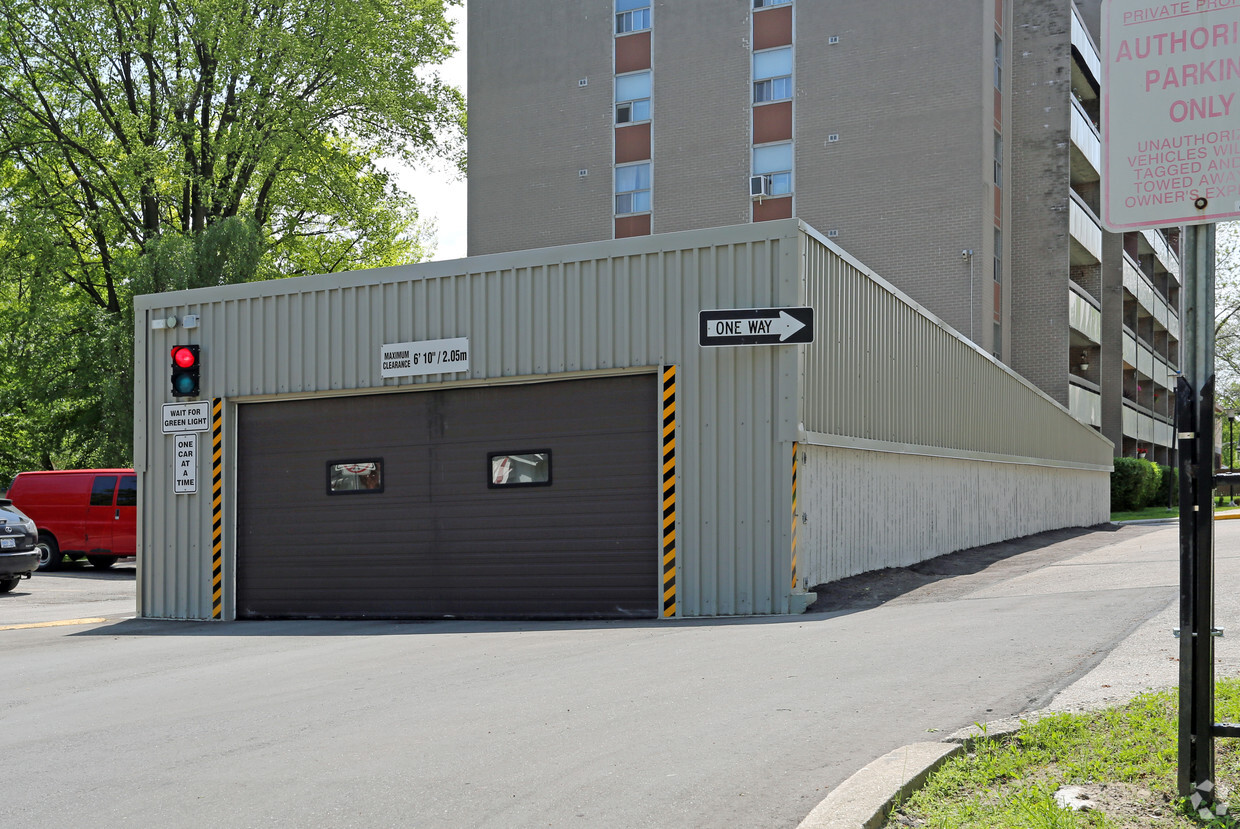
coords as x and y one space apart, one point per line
185 366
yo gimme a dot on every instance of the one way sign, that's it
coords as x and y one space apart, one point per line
756 326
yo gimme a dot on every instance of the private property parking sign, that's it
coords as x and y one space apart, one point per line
1171 113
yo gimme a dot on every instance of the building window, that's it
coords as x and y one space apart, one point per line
998 255
998 346
509 469
761 4
633 97
998 63
632 16
775 162
772 75
998 160
633 189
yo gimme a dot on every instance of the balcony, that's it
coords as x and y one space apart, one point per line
1085 232
1085 404
1086 146
1144 427
1085 47
1136 283
1083 315
1139 357
1163 252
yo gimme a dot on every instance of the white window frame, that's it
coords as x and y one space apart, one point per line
768 88
635 206
998 63
998 256
632 16
998 161
780 178
762 4
631 104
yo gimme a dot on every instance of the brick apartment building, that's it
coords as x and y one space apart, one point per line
952 146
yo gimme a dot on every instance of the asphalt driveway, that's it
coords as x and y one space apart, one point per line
706 723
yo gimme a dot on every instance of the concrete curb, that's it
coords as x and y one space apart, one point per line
865 800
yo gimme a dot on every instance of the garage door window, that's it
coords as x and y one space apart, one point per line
359 477
514 469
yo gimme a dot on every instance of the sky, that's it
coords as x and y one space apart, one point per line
438 195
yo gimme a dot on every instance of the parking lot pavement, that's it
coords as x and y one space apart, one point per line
78 592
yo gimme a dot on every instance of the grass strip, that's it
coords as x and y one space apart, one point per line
1163 512
1122 759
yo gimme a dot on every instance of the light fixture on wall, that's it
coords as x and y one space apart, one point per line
1084 365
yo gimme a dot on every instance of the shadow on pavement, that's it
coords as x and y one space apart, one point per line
82 570
403 627
929 580
937 579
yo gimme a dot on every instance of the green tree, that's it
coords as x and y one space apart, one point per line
1227 312
147 145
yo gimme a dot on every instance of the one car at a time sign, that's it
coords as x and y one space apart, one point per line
1171 113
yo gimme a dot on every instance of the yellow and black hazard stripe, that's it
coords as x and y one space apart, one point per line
669 492
217 512
794 516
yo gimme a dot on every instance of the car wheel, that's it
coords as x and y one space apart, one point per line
102 562
8 584
50 556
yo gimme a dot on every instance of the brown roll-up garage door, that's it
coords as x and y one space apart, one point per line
417 526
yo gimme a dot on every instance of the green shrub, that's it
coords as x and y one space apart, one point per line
1134 484
1168 486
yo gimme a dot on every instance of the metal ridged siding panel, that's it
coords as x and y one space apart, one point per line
597 309
883 370
880 371
868 510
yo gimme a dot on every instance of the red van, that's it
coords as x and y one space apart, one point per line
81 513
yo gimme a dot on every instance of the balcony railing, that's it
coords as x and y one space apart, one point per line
1143 426
1085 229
1085 404
1137 355
1085 137
1137 284
1084 44
1083 315
1163 252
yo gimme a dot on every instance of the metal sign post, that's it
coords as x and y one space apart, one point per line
1194 402
1167 156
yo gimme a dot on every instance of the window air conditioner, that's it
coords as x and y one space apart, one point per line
759 186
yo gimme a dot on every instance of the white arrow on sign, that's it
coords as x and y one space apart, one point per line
784 325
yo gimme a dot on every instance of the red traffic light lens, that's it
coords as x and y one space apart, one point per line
183 357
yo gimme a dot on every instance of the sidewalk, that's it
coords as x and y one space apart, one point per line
1148 659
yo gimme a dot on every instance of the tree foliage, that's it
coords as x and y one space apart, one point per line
147 145
1227 312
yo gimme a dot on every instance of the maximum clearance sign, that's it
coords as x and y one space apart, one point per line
424 357
1171 113
756 326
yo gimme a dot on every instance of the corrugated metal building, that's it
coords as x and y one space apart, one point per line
577 453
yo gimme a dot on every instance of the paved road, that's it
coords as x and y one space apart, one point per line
716 723
80 591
